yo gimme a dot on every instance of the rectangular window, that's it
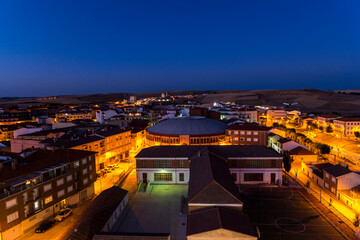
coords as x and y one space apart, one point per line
334 180
60 182
90 167
36 205
326 175
84 161
47 187
76 164
162 164
256 133
253 177
12 217
85 181
248 139
70 189
256 140
69 178
11 203
236 132
163 176
248 133
181 177
61 193
236 139
242 133
85 171
48 199
327 185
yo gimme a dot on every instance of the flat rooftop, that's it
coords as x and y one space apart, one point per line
156 211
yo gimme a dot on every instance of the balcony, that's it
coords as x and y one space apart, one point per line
31 180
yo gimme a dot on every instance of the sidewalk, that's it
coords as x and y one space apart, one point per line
336 218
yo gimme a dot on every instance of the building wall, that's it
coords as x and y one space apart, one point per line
174 171
240 179
247 137
112 220
348 181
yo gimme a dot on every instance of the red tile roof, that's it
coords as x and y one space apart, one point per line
212 219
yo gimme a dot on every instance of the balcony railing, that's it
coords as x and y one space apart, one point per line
14 190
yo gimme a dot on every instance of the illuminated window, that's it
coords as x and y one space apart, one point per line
36 205
76 164
70 189
48 199
163 176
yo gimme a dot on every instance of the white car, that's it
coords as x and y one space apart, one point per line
64 213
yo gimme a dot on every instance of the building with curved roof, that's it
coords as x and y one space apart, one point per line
193 130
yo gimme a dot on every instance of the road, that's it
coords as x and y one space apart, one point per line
62 230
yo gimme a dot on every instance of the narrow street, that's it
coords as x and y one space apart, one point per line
62 230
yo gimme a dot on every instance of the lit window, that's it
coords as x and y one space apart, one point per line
76 164
48 199
36 205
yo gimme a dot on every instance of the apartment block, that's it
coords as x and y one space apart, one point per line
38 184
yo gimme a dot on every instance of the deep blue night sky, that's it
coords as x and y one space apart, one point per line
78 47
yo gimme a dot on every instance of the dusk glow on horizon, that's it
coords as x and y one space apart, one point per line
81 47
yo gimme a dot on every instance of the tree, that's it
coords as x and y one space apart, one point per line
329 129
324 148
321 128
357 134
287 161
275 125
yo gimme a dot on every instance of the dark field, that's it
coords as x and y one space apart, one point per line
286 216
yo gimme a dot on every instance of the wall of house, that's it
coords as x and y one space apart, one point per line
174 171
265 171
112 220
348 181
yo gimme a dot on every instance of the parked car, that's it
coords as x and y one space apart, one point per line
64 213
45 226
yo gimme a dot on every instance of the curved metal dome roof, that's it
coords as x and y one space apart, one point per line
188 126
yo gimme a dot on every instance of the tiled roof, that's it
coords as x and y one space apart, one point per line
225 151
216 218
101 209
354 119
248 126
301 151
337 170
211 181
188 126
